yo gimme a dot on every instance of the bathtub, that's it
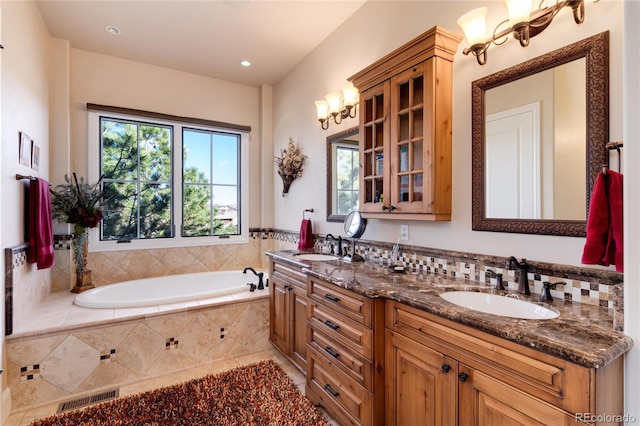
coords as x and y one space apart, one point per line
167 289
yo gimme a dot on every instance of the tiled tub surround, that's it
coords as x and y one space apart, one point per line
66 351
582 334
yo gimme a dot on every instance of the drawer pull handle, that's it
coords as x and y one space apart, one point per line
331 297
331 352
330 390
331 325
446 368
463 377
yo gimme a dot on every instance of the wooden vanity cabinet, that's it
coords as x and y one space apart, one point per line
440 372
406 130
345 353
288 311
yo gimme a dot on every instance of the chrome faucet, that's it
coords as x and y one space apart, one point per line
337 252
260 275
523 279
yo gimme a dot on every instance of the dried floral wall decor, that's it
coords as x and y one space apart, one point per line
289 164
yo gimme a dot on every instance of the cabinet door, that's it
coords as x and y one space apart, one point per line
279 313
298 326
485 401
374 149
421 384
410 153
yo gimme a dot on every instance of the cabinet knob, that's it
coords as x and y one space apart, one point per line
463 377
446 368
390 208
290 287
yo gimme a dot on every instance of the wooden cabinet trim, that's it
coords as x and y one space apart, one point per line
349 361
549 378
344 330
348 303
352 399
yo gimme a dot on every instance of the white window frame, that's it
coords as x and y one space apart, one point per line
93 169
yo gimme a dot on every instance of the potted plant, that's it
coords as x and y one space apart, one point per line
80 204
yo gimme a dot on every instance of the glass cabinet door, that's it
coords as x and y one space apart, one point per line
375 161
409 172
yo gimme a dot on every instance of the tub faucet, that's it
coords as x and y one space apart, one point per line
260 275
338 252
523 268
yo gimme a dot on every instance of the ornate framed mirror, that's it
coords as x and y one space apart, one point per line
536 155
342 174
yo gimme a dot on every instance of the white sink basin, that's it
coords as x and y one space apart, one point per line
316 256
498 305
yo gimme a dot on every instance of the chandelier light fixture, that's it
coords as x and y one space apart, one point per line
337 106
523 23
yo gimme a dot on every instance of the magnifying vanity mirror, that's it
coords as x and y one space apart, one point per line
354 226
342 174
539 135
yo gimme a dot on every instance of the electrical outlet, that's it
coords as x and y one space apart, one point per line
404 232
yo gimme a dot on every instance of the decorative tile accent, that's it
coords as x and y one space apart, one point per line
29 372
171 343
108 357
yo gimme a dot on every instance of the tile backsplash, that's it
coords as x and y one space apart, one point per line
583 285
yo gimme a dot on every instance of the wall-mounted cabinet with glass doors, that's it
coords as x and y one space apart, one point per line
406 130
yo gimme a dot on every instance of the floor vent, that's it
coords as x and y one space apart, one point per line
88 400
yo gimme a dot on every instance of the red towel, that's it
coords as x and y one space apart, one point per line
306 235
40 227
604 245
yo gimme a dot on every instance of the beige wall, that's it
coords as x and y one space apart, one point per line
107 80
373 31
25 107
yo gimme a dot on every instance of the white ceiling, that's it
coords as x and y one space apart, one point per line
207 37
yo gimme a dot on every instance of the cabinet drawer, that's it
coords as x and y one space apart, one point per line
352 363
535 373
342 329
350 304
339 394
293 274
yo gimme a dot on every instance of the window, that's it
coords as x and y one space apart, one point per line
346 178
170 183
210 183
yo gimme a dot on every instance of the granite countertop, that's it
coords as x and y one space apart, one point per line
582 333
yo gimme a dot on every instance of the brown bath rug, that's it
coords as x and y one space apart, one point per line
256 394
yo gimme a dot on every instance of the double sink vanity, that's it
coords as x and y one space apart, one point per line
382 347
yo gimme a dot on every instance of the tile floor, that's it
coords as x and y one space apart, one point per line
26 416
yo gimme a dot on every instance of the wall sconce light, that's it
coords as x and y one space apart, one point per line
523 23
337 106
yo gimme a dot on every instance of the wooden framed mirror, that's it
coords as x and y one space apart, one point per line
501 164
342 174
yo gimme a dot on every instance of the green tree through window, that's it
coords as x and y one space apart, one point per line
136 162
137 169
210 183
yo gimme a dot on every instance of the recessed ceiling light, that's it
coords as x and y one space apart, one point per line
112 30
245 63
